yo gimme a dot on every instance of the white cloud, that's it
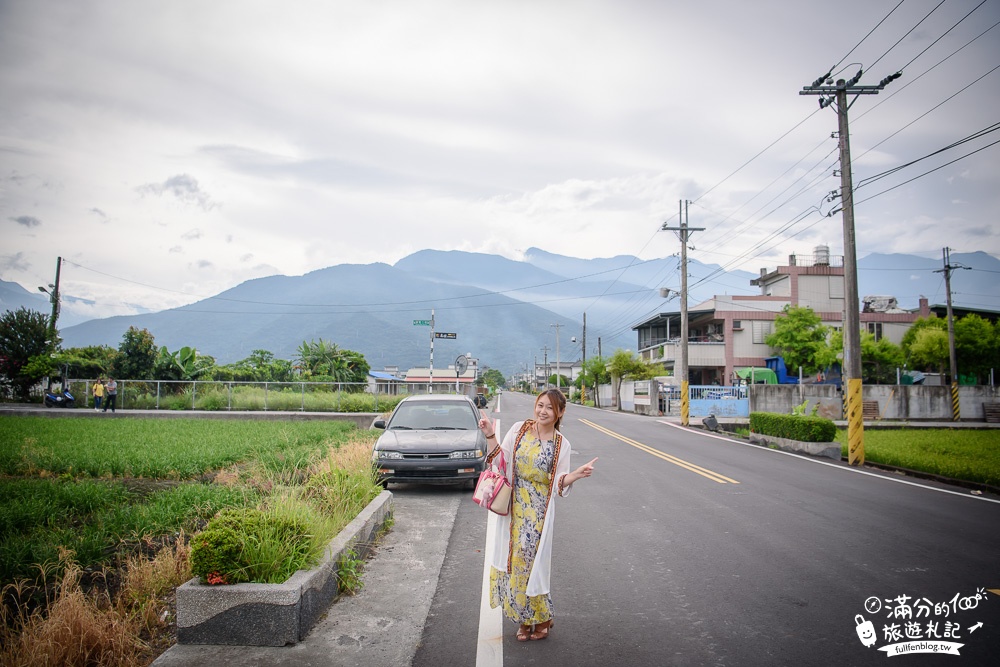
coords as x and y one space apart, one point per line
284 139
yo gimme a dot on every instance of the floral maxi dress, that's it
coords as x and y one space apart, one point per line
532 482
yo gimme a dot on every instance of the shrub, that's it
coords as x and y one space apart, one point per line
793 427
215 555
262 546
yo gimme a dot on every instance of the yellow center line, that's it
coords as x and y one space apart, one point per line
704 472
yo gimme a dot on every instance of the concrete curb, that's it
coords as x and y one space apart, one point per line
276 614
830 450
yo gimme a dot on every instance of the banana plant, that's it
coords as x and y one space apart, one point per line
184 364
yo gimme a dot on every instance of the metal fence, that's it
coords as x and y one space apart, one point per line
253 396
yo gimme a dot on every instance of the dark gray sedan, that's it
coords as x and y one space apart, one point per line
433 439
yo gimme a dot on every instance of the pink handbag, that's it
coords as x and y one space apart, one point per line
493 489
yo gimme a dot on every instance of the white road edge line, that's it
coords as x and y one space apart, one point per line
489 645
832 465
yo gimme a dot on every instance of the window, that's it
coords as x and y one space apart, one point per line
875 328
761 330
737 325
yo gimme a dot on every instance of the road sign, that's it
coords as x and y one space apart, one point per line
421 323
441 334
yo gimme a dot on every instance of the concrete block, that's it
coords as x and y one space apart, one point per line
275 614
830 450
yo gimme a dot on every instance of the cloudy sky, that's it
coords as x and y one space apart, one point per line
171 150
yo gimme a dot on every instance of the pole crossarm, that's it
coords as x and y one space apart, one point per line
832 90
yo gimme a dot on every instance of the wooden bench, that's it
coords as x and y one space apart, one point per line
991 411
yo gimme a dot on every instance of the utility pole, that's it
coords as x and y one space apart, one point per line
558 379
682 369
583 382
597 392
852 319
430 379
53 292
956 413
545 364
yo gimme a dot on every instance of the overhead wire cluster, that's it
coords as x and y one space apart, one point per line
810 214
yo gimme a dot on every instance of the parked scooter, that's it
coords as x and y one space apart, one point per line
60 399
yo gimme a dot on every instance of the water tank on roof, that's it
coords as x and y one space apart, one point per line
822 253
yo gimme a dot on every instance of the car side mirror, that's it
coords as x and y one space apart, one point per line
379 423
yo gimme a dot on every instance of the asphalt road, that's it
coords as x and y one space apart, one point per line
691 549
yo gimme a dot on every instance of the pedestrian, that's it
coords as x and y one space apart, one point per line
537 458
112 395
98 394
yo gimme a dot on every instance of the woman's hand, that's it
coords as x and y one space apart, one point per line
488 427
586 470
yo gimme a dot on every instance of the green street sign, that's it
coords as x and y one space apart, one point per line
421 323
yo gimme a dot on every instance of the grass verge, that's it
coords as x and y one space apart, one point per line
965 454
94 516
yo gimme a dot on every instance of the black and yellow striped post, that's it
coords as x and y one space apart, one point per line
956 412
685 403
855 424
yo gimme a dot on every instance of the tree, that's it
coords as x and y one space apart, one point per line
929 350
493 379
879 359
137 355
260 366
626 365
325 361
185 364
93 361
976 346
24 348
563 381
801 338
595 372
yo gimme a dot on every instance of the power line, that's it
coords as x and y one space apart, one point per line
913 80
931 171
942 35
866 36
981 133
934 108
906 35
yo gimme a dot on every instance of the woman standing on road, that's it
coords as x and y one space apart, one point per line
538 463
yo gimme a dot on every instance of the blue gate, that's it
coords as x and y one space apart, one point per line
718 401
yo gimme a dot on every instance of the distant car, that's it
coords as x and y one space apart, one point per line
432 439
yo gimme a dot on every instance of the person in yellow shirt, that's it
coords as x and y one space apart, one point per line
98 393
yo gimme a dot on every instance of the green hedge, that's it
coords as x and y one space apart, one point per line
793 427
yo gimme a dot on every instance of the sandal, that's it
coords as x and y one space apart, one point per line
542 630
524 633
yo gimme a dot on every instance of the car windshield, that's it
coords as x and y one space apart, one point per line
434 416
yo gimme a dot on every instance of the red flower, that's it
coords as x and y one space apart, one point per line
214 579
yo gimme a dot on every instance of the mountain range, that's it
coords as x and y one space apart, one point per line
507 313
